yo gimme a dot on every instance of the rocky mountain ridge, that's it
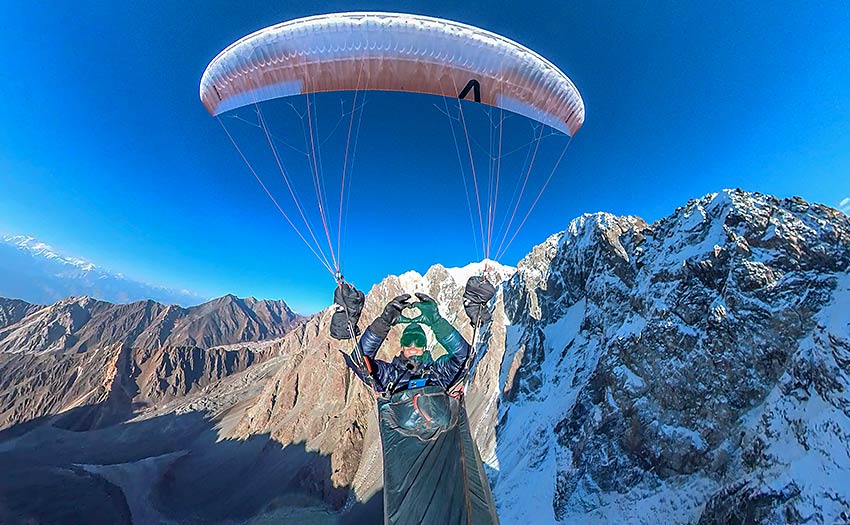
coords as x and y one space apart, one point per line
85 352
77 323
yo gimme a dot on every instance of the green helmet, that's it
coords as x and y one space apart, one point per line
414 335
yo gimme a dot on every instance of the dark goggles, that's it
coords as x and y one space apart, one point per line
417 340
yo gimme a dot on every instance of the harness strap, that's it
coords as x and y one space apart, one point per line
458 384
361 360
392 384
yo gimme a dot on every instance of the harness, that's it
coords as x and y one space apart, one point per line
412 382
456 388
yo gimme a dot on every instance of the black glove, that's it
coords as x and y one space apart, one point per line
476 295
349 301
391 314
429 313
349 298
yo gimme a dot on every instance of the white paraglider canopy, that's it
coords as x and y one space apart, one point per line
391 52
365 52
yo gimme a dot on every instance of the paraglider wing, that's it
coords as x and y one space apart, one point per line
391 52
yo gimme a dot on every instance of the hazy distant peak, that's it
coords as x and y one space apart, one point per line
38 248
34 271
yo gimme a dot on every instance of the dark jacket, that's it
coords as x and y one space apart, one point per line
442 372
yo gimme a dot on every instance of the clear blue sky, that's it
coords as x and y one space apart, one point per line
107 154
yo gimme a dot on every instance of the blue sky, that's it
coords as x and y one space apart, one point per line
106 152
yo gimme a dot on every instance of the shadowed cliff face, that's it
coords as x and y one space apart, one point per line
692 370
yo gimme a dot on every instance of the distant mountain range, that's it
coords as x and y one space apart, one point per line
690 371
33 271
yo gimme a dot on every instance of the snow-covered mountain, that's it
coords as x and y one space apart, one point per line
695 370
33 271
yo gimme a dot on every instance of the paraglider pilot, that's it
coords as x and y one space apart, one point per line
422 417
413 366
